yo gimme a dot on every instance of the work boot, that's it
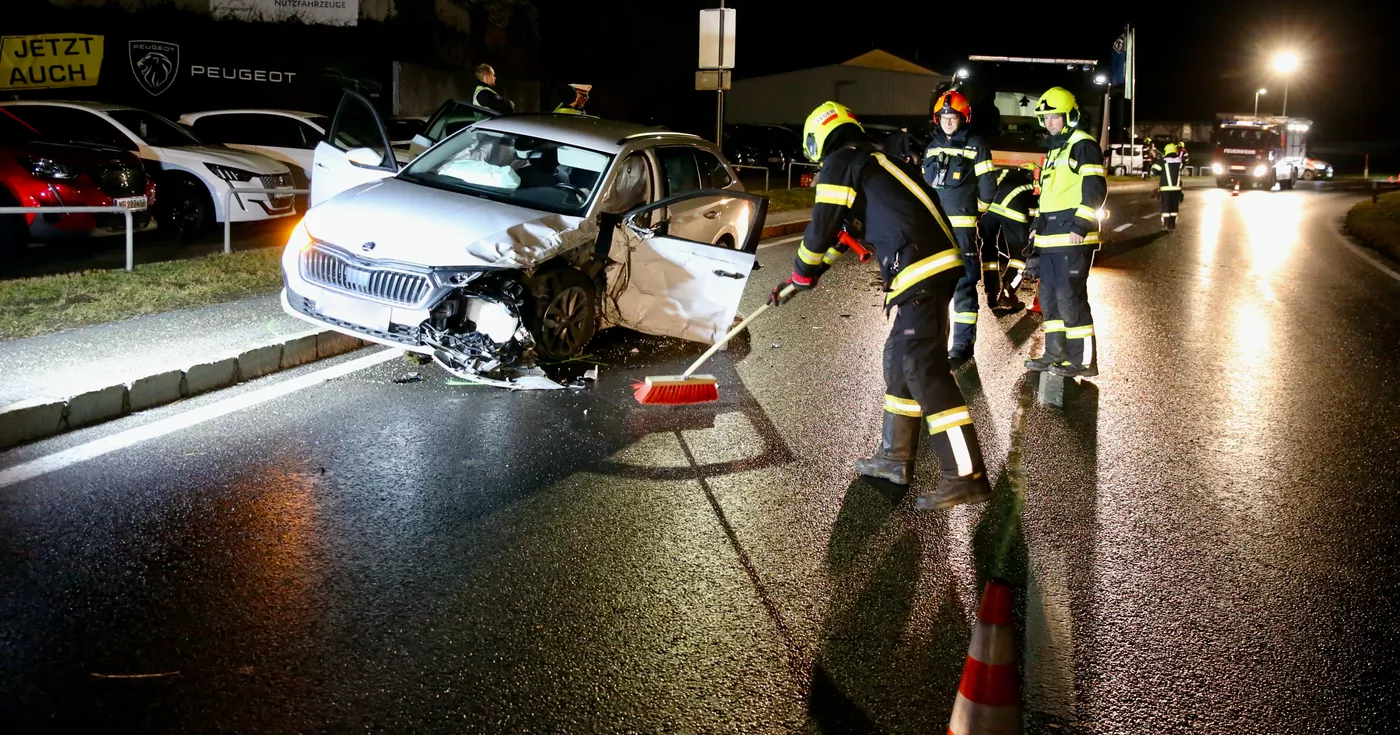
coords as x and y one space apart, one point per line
1007 303
894 460
954 490
1040 364
960 353
1070 370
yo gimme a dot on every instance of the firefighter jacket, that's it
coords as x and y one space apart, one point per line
1015 198
883 203
1168 172
1072 190
488 97
959 168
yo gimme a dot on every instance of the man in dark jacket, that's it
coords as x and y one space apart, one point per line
486 95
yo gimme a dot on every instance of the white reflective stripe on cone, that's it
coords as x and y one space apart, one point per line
960 453
971 718
992 645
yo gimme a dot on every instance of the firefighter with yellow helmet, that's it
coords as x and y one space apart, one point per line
883 202
958 165
1073 188
1168 171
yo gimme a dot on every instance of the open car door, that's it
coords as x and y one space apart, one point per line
450 116
681 288
355 150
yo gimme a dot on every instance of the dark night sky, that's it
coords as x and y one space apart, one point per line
1209 57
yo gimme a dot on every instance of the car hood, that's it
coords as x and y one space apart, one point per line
253 162
431 227
86 155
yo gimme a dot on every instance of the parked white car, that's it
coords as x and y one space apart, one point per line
288 136
193 178
520 237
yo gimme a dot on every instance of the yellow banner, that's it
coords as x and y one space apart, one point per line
50 61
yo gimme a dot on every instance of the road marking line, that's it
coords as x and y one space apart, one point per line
780 241
1123 226
1150 216
1362 253
156 429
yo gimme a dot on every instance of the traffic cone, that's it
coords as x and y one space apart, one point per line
989 695
1236 192
1035 305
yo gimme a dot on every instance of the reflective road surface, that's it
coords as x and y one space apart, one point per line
1202 540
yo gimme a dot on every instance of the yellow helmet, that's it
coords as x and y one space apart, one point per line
1169 149
826 118
1058 101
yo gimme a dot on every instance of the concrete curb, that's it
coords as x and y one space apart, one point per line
787 228
38 418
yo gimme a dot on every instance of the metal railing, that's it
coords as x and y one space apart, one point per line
764 169
798 163
228 206
130 228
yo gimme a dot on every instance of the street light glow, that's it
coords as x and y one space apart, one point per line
962 74
1100 79
1286 62
1262 91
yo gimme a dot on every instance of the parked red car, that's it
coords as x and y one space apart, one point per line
37 173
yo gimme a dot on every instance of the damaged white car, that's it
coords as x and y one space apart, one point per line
514 239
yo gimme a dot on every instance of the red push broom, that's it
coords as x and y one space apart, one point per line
688 387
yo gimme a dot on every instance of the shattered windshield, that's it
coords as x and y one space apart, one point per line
516 169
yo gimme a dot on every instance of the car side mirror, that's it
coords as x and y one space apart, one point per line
365 157
421 141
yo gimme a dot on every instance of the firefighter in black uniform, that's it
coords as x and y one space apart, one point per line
883 203
959 167
1066 235
1168 171
1004 230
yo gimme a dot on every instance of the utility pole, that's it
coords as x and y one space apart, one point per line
719 93
1132 95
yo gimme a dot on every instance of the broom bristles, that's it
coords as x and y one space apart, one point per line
676 390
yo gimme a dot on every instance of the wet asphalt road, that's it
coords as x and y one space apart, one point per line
1203 539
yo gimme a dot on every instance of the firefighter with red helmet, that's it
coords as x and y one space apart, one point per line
958 166
882 201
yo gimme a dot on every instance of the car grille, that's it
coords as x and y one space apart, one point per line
401 333
120 181
397 287
276 181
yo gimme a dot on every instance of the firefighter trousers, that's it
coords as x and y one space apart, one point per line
1171 205
1004 245
965 293
1064 304
919 382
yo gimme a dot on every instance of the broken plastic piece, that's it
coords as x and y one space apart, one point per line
591 373
777 346
410 378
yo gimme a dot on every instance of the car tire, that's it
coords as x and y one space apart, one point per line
1309 175
563 308
185 209
1118 170
1287 184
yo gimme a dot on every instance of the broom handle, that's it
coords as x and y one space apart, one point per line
737 329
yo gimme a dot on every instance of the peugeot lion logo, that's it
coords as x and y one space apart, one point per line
155 64
367 246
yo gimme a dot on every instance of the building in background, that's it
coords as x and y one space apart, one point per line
877 85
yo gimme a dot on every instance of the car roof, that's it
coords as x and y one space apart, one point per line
606 136
95 106
254 111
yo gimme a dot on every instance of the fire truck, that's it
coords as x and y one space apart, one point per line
1260 151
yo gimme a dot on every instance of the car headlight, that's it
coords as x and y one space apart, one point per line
47 168
300 239
1260 170
229 173
1217 169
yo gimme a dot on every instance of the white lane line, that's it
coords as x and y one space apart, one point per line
779 241
1150 216
1123 226
156 429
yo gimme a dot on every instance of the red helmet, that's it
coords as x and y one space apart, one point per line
953 102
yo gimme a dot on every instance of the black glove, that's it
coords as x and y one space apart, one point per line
799 283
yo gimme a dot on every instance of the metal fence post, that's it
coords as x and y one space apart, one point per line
764 169
228 205
126 214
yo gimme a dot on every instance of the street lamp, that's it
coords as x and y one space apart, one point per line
962 74
1285 63
1256 100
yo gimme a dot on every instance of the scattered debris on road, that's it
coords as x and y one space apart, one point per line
410 378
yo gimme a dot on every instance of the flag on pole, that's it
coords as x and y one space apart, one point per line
1119 73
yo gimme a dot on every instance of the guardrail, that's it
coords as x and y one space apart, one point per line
798 163
764 169
130 229
228 204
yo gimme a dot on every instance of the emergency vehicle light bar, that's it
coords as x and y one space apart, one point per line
1032 60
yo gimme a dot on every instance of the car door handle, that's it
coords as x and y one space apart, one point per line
713 213
320 165
727 274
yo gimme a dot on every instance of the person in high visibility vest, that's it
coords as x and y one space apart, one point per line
573 98
485 94
1004 229
1073 187
882 201
958 166
1168 171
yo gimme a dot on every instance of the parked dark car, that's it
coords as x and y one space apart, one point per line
772 146
38 173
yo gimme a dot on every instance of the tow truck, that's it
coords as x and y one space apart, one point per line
1260 151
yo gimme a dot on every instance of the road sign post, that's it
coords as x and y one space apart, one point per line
717 55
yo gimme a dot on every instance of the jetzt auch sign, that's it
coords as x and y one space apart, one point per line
50 61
